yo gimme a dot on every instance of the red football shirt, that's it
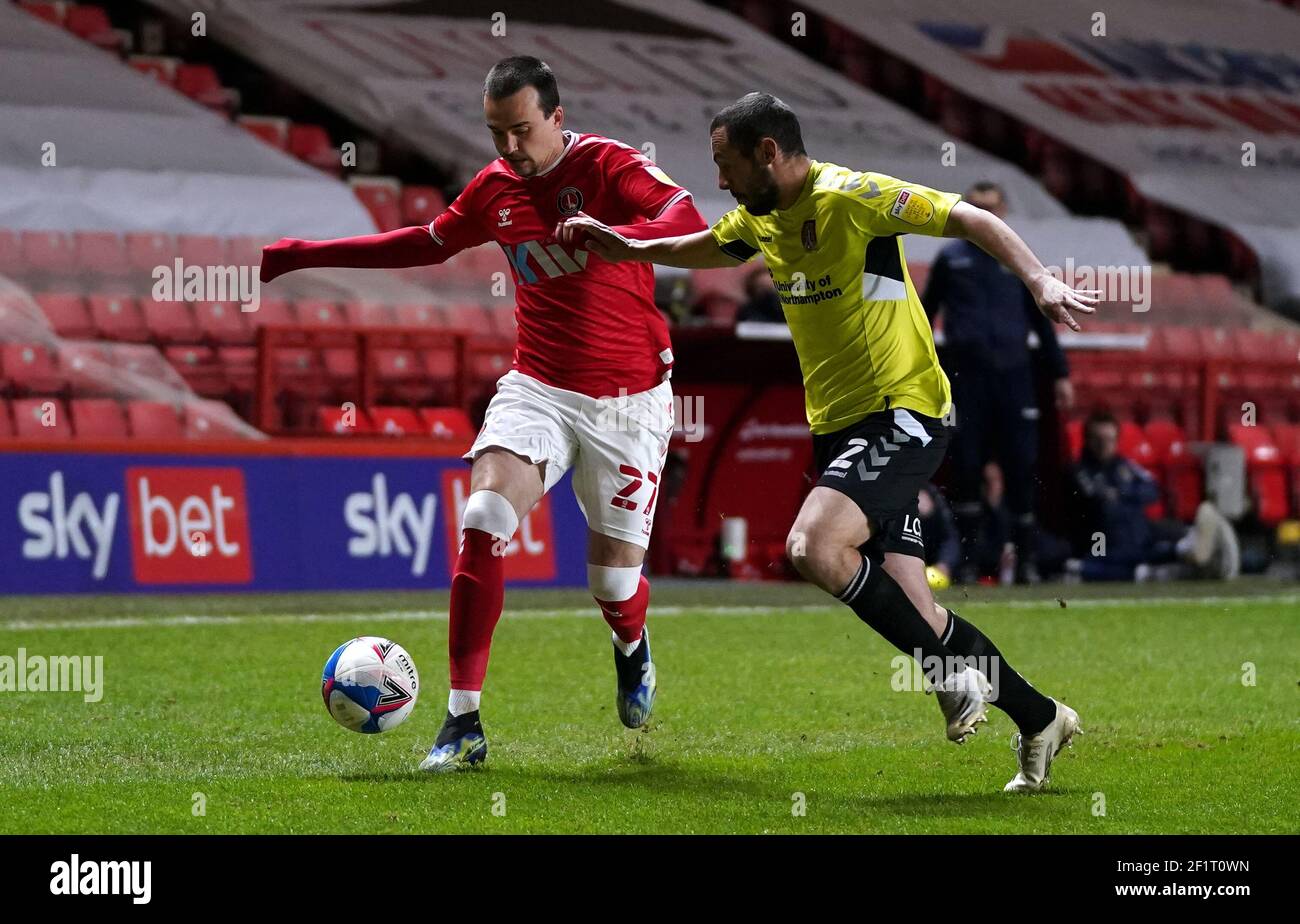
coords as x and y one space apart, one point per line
585 325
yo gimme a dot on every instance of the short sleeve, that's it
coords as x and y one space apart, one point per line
888 206
459 227
734 237
644 186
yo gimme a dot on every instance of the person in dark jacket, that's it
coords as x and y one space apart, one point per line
761 302
939 531
988 317
1112 535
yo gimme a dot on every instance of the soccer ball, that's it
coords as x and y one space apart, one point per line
370 684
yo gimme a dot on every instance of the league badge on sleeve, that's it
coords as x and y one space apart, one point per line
911 208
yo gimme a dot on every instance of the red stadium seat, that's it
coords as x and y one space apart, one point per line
169 322
396 421
6 420
30 368
488 360
67 314
210 420
88 367
41 419
93 25
369 314
1184 481
143 361
199 367
101 253
153 420
411 315
334 419
316 312
48 251
222 322
1286 436
340 365
161 68
380 197
240 367
201 250
311 144
471 319
200 83
421 204
446 423
147 249
98 419
50 12
117 317
1265 472
274 130
11 255
275 312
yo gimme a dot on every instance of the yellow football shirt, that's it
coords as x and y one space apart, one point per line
836 258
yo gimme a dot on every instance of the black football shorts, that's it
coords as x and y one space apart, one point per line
881 462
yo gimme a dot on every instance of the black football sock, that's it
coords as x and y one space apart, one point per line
878 601
1029 709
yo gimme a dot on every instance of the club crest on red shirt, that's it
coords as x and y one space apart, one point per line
569 201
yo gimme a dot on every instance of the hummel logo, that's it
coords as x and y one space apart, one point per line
504 216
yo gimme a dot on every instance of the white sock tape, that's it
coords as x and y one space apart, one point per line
613 585
490 512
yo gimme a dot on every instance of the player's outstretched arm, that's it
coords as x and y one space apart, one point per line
1054 298
398 249
689 251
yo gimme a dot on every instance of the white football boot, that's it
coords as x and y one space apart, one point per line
963 697
1035 755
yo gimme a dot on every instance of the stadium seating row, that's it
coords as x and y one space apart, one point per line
52 419
389 203
1162 447
131 320
448 423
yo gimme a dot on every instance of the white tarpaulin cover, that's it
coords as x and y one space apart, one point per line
1169 95
648 72
131 154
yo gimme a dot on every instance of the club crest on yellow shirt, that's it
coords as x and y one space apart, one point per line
809 234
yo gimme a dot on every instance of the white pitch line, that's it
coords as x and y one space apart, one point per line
133 622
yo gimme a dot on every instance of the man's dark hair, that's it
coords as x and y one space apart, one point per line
756 116
1098 417
510 75
987 186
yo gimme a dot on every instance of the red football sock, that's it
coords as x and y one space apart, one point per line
477 595
627 617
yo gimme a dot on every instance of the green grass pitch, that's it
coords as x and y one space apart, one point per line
766 692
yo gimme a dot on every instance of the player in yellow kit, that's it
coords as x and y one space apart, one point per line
832 241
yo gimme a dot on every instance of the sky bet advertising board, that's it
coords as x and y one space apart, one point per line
103 523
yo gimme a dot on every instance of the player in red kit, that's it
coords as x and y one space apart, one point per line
589 387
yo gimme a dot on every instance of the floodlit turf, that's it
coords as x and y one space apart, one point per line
220 696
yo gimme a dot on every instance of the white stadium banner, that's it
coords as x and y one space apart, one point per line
651 73
1196 101
86 143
